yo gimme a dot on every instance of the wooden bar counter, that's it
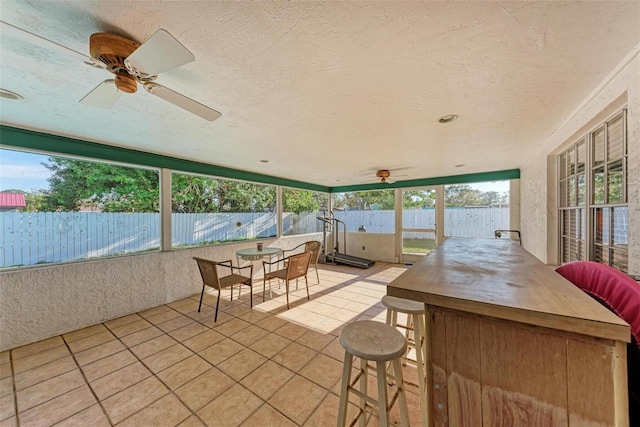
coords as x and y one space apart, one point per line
513 343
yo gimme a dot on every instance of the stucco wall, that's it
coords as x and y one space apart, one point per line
41 302
621 87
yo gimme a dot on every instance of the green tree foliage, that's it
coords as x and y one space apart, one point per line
300 201
365 200
113 188
465 195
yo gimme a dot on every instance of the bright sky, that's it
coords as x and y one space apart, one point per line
24 171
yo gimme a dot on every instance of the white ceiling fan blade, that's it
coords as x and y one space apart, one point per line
105 95
182 101
7 29
160 53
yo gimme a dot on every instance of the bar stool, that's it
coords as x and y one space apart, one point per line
377 342
416 324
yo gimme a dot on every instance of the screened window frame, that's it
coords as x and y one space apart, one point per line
583 245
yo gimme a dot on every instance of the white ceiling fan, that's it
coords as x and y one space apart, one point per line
131 63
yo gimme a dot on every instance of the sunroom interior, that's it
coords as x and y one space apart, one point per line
315 99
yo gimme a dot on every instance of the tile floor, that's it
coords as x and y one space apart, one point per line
170 365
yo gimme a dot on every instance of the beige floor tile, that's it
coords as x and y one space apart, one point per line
9 422
99 352
84 333
119 380
130 328
209 322
154 311
203 389
163 317
272 323
7 407
220 351
168 411
122 321
225 410
205 313
192 421
92 341
188 307
42 373
188 331
181 302
39 359
267 379
58 409
37 347
291 331
242 364
183 371
249 335
153 346
6 386
237 310
93 416
323 370
327 413
231 327
5 357
294 356
177 322
141 336
107 365
49 389
254 316
5 370
270 345
167 357
266 416
133 399
334 350
201 341
315 340
298 398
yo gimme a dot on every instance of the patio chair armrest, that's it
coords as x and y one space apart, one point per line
250 266
226 263
272 262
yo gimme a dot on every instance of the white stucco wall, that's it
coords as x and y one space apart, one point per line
41 302
621 87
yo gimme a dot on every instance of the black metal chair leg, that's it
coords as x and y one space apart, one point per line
307 282
215 319
201 296
251 295
264 286
287 285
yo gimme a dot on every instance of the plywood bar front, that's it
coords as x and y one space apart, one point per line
511 342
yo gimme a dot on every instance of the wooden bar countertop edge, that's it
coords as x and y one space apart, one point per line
475 267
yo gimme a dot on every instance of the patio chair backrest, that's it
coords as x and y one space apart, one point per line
313 246
298 265
209 272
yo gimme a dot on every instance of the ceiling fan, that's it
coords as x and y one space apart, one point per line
131 63
384 175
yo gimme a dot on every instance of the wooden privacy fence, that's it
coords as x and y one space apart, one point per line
30 238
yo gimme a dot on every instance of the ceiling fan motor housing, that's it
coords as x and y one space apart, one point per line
383 174
112 50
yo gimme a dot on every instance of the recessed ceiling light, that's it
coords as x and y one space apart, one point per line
264 161
459 166
448 118
9 95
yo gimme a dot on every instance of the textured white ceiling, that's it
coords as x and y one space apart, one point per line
329 92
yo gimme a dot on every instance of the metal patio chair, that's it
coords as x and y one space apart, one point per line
296 266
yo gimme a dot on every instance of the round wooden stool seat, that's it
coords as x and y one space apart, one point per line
382 344
373 340
403 305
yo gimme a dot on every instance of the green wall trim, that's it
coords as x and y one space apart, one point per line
453 179
22 138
